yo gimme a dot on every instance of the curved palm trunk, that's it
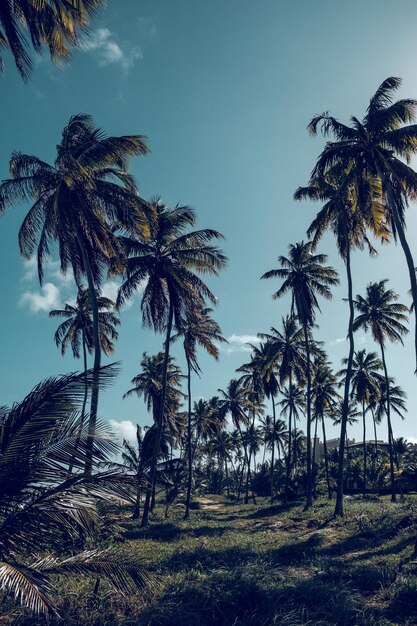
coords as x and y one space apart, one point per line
375 443
97 357
189 442
289 455
390 436
326 460
364 447
155 452
406 249
309 490
345 410
273 448
84 399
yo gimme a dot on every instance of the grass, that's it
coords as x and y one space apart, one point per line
260 565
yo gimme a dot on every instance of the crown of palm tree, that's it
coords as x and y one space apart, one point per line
233 401
379 312
293 399
78 324
397 400
366 378
286 349
77 201
54 23
323 389
305 276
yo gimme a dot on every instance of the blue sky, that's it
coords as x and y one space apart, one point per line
224 92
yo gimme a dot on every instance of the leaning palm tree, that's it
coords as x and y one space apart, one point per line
168 260
33 23
42 508
365 388
77 328
380 313
377 147
305 276
76 202
198 329
350 209
286 350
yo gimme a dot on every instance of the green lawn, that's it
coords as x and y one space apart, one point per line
257 565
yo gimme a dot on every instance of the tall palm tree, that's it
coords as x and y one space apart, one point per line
287 351
198 329
52 23
351 207
77 328
305 276
378 146
169 260
380 313
76 202
365 388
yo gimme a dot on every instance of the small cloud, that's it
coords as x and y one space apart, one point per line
102 43
123 430
239 343
30 269
338 341
44 300
412 440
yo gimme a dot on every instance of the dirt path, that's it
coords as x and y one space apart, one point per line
211 505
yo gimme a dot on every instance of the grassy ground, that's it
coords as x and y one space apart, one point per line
233 564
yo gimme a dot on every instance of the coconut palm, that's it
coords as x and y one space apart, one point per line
52 23
287 351
77 328
198 329
155 379
43 508
168 260
305 276
324 399
75 204
381 313
365 388
350 209
397 403
377 147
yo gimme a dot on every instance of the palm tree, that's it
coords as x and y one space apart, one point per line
75 204
365 388
169 260
52 23
42 508
324 399
77 328
376 147
286 350
350 208
380 313
305 276
233 402
198 329
397 403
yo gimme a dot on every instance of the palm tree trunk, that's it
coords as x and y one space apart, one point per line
364 447
274 420
189 442
390 437
326 460
309 493
227 475
314 464
97 357
376 443
160 424
71 465
406 248
345 410
289 455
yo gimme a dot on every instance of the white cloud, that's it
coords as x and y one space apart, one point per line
44 300
102 43
124 430
239 343
30 268
338 341
359 341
